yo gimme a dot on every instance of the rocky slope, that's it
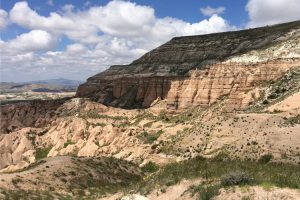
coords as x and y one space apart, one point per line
237 106
67 175
199 70
36 113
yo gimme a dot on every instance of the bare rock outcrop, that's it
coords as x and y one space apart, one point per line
36 113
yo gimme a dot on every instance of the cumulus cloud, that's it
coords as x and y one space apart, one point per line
117 18
209 11
24 16
122 18
35 40
76 49
269 12
3 19
102 36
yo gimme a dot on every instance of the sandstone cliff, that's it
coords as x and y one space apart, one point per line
199 70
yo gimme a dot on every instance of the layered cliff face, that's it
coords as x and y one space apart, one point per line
235 81
199 70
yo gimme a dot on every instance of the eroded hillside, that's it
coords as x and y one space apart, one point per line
229 101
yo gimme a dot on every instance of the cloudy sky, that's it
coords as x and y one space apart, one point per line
76 39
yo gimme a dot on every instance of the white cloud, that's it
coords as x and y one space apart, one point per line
102 36
120 18
76 49
3 19
209 11
23 15
35 40
269 12
117 18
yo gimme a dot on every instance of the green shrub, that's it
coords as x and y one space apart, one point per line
235 178
222 156
149 138
15 181
265 158
69 142
150 167
272 96
163 190
206 192
42 152
265 102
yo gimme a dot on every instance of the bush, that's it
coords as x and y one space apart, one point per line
222 157
15 181
265 102
272 96
69 142
265 158
149 138
235 178
42 153
150 167
206 192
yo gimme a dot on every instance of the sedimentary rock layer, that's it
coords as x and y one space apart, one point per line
198 70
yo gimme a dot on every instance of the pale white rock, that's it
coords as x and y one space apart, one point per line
134 197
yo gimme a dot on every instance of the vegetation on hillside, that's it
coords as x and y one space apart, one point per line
216 173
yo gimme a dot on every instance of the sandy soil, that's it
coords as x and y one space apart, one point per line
258 193
290 103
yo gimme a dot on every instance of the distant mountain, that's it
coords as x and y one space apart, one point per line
51 85
59 81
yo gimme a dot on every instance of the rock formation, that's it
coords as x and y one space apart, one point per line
199 70
35 113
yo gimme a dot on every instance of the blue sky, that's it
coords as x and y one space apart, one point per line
76 39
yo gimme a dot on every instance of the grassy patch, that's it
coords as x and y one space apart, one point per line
149 138
219 172
235 178
34 195
267 186
186 116
96 115
150 167
277 174
69 142
42 152
206 192
265 158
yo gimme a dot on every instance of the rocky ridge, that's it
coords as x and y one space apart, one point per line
193 70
